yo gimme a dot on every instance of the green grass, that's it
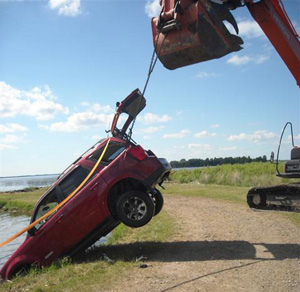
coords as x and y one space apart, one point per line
69 277
159 229
22 202
219 192
242 175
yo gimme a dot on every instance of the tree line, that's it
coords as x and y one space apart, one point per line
197 162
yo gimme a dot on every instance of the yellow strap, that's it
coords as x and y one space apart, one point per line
60 204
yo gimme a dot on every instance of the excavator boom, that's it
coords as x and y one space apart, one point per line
271 17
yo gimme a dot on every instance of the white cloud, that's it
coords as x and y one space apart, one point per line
150 118
80 121
12 127
202 75
261 59
37 103
247 28
297 137
8 141
98 108
151 130
179 135
215 126
152 8
204 134
236 60
199 147
11 139
96 137
5 146
243 60
256 137
228 148
66 7
250 29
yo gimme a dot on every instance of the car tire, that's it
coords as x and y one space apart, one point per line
135 208
158 200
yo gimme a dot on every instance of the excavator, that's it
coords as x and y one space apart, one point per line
187 32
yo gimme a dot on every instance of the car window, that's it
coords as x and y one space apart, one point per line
73 180
47 204
113 150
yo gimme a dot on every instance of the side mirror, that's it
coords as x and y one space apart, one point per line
272 157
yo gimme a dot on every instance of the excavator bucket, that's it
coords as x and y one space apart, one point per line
189 32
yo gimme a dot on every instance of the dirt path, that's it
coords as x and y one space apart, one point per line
220 247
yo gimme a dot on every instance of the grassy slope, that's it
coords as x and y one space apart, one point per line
247 175
22 202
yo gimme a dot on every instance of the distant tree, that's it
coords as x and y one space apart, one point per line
197 162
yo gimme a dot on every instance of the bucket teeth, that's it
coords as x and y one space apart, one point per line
224 14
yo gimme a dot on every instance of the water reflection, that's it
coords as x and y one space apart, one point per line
9 225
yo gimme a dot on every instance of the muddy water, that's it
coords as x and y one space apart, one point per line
9 225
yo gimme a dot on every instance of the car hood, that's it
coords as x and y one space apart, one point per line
132 105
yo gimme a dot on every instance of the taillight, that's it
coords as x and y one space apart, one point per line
138 152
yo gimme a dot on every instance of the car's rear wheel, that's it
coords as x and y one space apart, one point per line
135 208
158 201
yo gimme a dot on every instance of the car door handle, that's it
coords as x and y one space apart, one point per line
94 186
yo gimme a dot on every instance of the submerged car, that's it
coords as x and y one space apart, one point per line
122 189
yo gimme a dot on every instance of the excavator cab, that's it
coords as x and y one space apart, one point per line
188 32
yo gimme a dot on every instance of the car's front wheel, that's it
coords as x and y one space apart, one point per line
135 208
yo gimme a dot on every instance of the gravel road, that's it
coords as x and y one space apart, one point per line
219 246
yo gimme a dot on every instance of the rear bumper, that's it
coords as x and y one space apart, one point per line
159 175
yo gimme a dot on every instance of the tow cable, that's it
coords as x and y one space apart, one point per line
150 70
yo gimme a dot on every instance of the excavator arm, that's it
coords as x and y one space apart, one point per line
188 32
273 20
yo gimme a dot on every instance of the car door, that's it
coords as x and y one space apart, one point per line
56 234
86 209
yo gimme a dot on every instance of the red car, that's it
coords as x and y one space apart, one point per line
122 189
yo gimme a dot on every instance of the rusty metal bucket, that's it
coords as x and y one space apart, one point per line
199 35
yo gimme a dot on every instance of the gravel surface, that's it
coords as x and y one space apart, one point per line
219 246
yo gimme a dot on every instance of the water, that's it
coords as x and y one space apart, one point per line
15 183
9 225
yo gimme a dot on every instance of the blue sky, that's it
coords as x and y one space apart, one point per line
65 63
